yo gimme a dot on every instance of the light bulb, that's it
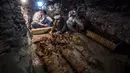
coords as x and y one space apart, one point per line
24 1
39 3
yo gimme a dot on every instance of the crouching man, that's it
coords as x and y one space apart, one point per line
73 23
41 20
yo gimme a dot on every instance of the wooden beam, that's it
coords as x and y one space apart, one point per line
40 30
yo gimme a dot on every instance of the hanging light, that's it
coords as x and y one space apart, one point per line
40 4
24 1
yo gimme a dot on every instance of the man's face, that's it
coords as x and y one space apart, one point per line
73 13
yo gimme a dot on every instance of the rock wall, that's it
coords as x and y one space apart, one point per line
14 43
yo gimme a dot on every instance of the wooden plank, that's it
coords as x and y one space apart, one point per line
40 30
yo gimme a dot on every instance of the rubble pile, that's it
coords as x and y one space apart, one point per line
67 54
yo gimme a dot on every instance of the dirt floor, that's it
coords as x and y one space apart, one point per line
74 53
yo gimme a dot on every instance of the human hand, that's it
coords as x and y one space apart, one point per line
43 24
26 22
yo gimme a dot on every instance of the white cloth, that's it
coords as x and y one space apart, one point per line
36 16
38 19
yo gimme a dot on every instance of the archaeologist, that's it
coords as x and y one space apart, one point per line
73 22
41 20
61 26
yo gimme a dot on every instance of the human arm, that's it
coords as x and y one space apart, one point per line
79 23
